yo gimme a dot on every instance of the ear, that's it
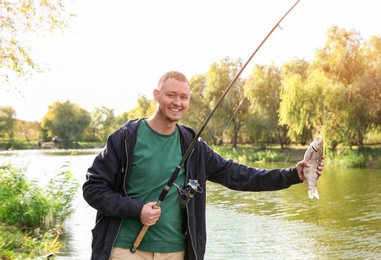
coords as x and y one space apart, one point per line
156 94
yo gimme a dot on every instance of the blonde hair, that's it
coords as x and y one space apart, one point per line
172 75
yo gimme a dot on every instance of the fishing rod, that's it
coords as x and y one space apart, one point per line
193 185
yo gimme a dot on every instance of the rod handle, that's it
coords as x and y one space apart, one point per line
139 238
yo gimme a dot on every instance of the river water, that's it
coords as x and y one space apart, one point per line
344 224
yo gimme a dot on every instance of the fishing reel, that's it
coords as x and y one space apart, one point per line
186 192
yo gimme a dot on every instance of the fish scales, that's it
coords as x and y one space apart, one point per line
313 155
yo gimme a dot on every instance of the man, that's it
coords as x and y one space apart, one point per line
129 174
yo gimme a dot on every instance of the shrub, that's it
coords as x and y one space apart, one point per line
32 216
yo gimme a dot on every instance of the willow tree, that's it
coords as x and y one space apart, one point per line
263 91
18 20
294 74
198 107
345 59
302 104
219 77
371 51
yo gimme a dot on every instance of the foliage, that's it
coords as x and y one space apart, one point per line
101 124
302 105
18 244
67 121
29 206
263 91
144 108
346 158
33 216
354 158
18 19
17 144
28 131
7 122
336 94
198 109
219 77
244 154
355 64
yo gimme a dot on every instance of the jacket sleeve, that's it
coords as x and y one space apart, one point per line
245 178
104 182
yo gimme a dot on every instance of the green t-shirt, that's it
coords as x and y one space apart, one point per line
155 158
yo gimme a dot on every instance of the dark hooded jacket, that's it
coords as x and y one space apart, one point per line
106 180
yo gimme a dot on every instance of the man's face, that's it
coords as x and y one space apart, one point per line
173 99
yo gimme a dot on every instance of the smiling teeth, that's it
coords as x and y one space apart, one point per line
175 110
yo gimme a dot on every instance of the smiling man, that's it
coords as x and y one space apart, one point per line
172 96
128 175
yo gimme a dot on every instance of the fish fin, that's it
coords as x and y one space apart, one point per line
313 192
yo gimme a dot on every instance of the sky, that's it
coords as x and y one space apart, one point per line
116 50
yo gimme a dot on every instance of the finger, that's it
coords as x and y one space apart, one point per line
306 164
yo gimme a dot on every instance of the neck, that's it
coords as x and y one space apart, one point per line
161 126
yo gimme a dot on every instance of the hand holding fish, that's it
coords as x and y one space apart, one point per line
312 166
300 165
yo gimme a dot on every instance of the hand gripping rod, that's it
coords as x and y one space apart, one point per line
188 152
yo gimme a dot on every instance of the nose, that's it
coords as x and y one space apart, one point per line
177 100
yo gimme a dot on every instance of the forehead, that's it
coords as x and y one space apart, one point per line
175 85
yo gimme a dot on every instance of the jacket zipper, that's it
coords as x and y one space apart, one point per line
124 167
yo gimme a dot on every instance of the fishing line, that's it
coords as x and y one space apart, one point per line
236 110
231 118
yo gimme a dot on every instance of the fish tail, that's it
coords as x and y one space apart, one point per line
313 192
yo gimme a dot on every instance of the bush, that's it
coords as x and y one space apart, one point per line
33 216
246 154
346 158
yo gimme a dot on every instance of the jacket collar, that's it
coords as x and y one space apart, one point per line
131 126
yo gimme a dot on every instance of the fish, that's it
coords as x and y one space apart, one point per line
313 156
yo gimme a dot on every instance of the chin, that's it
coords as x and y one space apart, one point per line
173 119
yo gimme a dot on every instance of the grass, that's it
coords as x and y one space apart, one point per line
343 157
32 217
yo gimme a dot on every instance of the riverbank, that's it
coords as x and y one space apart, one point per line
333 220
32 217
369 157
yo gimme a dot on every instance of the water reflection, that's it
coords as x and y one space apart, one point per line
344 224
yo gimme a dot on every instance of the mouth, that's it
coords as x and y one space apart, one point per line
175 110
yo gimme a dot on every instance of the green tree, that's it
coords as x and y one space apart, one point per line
7 122
198 108
18 18
371 52
263 90
121 119
67 121
219 77
102 124
144 108
28 130
345 58
296 66
302 104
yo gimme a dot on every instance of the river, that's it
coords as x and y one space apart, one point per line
344 224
